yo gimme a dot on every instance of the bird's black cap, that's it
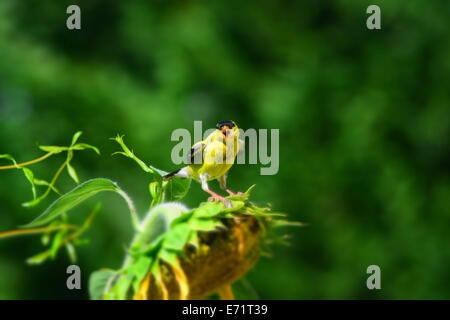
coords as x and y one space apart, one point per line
222 123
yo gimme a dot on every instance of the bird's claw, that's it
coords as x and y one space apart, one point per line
216 198
231 193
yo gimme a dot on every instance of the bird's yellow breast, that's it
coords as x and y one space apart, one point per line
217 160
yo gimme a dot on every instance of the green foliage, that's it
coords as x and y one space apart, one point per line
168 229
176 188
51 150
129 153
62 238
55 214
171 190
72 198
161 236
98 280
26 171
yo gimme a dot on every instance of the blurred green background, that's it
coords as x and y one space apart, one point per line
363 118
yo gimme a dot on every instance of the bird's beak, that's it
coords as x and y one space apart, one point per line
225 130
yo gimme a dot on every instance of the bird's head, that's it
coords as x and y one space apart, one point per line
227 127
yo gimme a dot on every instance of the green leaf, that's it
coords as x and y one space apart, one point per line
76 136
155 270
56 243
71 252
84 146
45 239
176 189
27 172
53 149
209 209
140 267
34 202
182 218
129 153
158 172
177 238
81 146
286 223
39 258
249 190
72 173
122 287
9 157
47 184
73 198
169 256
139 270
235 206
153 249
238 197
194 240
155 191
205 224
30 177
97 283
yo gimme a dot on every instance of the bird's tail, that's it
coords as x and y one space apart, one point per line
171 174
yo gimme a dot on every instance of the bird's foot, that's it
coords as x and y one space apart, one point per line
231 193
215 197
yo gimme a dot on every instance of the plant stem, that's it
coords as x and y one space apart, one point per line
18 232
134 216
23 164
226 292
55 177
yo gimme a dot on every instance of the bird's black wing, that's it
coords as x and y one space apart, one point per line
195 155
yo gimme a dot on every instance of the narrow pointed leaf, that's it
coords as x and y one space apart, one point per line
72 173
56 244
9 157
53 149
129 153
76 136
83 146
47 184
73 198
30 177
71 252
39 258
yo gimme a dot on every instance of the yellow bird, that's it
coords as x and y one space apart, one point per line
212 158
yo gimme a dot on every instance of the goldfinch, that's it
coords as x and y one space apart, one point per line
212 158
